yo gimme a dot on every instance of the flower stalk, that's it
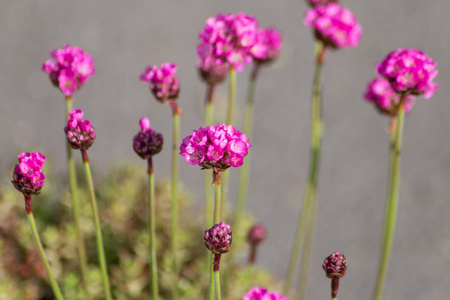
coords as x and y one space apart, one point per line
152 230
231 97
215 258
176 112
209 116
392 200
98 232
40 249
245 169
76 211
308 212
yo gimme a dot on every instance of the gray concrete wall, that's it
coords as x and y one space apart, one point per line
125 36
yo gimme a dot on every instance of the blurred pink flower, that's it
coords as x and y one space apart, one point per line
163 83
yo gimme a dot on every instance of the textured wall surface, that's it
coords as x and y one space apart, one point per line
125 36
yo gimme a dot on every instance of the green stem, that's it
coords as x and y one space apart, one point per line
40 249
217 284
216 220
209 116
391 203
310 197
174 195
245 169
231 97
152 231
98 231
76 211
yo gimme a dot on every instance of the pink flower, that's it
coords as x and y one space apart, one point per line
380 92
28 177
215 147
163 83
69 68
268 45
334 25
226 41
80 133
260 293
410 71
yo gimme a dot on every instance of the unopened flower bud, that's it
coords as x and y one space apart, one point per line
80 133
147 142
335 265
257 234
218 238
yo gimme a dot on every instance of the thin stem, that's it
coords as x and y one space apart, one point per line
217 284
40 249
392 203
245 168
76 211
98 231
151 229
310 197
216 219
209 116
231 97
174 195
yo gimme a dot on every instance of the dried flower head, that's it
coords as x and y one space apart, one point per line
163 83
147 142
226 41
218 238
335 265
260 293
268 45
80 133
28 177
334 25
69 68
410 71
215 147
386 100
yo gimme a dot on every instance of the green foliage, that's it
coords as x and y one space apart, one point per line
123 211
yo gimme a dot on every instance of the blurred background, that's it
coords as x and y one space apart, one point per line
125 36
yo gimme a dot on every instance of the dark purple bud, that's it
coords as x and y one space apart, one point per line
335 265
257 234
218 238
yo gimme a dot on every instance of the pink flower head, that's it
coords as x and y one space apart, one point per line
314 3
147 142
334 25
268 45
410 71
226 41
380 92
163 82
260 293
69 68
215 147
28 177
80 133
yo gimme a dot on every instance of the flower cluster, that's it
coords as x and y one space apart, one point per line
379 91
260 293
334 25
215 147
335 265
80 133
218 238
410 71
226 41
69 68
147 142
314 3
268 45
163 83
257 234
28 177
